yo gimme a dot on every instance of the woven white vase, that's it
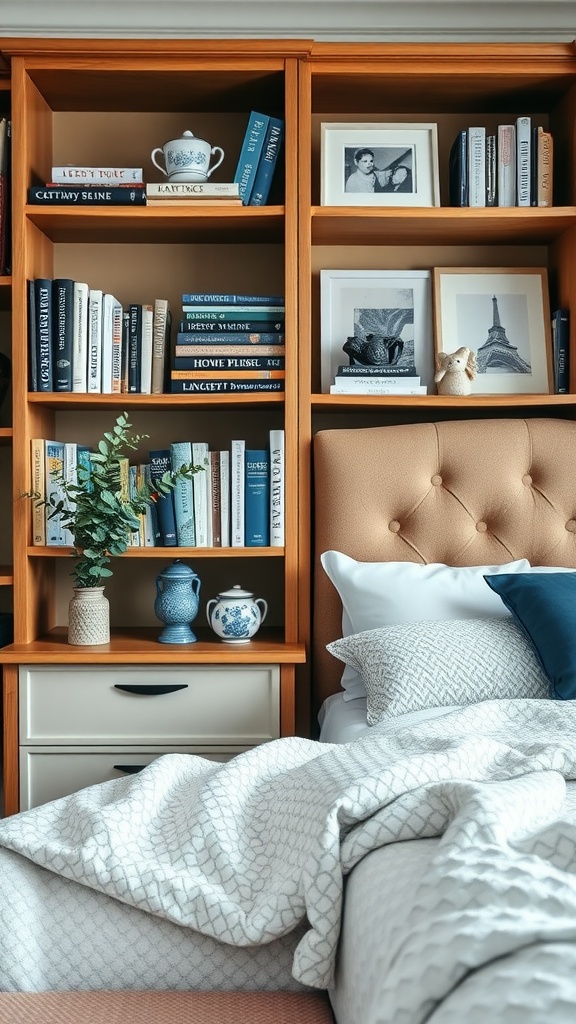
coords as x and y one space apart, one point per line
88 617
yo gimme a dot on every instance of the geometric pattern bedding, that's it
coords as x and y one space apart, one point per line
248 850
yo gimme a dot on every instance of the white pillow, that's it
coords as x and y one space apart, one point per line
415 665
375 594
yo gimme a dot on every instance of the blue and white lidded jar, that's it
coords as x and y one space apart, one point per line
236 615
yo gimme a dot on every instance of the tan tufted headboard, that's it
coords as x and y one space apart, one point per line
468 492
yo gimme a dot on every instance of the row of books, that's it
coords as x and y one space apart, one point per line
241 344
512 166
356 379
258 158
84 340
235 500
5 200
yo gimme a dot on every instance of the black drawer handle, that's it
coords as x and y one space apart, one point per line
152 689
129 769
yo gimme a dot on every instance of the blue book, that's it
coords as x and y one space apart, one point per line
84 466
215 299
267 163
250 153
87 196
181 452
233 313
561 351
257 498
54 473
63 321
43 332
228 363
32 350
213 327
221 386
161 463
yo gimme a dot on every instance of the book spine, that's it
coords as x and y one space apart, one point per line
252 330
84 465
43 307
200 458
71 195
134 346
160 463
250 153
215 299
146 353
69 472
125 351
160 344
267 163
208 374
179 190
377 389
228 362
117 322
215 499
359 383
223 312
277 504
95 301
63 322
356 370
38 486
506 147
561 351
250 351
106 362
237 522
201 387
523 160
54 467
83 175
477 166
458 170
224 459
181 452
544 169
151 528
31 336
136 538
257 498
491 170
80 338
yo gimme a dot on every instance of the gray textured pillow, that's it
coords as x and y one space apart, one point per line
416 665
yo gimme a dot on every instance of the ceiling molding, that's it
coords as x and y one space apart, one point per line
330 20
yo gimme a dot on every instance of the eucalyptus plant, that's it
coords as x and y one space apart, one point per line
100 516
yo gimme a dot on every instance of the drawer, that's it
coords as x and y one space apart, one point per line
47 774
109 705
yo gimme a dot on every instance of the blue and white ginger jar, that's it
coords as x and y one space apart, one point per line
236 615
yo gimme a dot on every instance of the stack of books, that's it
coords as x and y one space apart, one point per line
198 193
235 500
229 343
81 185
357 379
512 166
259 158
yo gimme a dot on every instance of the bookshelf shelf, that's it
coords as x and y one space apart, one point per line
55 400
6 435
6 576
469 402
172 552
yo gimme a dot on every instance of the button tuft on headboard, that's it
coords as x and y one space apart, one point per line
571 526
527 480
394 526
436 480
481 527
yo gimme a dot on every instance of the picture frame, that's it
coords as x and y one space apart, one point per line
361 302
487 309
403 169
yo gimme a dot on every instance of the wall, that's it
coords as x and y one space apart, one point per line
352 20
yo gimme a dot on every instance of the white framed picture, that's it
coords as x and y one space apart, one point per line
502 314
392 308
379 164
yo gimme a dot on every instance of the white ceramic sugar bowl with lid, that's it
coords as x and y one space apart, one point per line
236 615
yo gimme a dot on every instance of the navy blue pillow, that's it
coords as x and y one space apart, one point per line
544 605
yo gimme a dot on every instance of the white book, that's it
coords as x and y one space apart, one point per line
81 174
237 528
200 458
477 166
111 343
376 389
146 349
225 498
506 163
277 499
70 475
215 189
523 160
80 338
360 383
95 340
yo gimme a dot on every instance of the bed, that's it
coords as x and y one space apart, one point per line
418 861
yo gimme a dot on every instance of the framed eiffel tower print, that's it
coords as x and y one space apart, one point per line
503 315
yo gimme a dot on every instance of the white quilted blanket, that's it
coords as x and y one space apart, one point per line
245 851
